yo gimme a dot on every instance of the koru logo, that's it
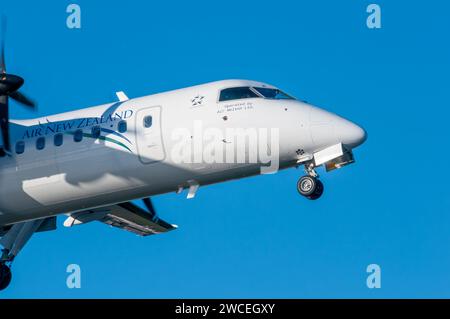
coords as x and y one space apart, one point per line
374 278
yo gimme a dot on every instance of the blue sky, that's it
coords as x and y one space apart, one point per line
263 240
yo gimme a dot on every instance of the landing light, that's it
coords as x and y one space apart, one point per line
341 161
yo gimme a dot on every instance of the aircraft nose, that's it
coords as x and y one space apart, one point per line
328 128
349 133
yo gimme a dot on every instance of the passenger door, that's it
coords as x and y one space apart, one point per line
149 141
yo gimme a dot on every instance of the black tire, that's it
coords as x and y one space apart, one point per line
5 276
307 185
318 192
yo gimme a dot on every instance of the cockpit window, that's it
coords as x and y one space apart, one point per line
236 94
273 94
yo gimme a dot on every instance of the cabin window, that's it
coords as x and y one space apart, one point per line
122 126
40 143
20 147
78 136
58 139
237 93
273 94
148 121
96 131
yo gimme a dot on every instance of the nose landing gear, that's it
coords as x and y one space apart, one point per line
310 186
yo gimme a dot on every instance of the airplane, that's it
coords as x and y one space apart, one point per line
93 163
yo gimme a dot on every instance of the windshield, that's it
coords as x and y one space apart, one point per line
273 94
237 93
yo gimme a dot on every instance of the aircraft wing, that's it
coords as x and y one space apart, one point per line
127 216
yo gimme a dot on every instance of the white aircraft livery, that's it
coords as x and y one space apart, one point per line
90 164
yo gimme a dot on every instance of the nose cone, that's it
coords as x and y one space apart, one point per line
349 133
328 129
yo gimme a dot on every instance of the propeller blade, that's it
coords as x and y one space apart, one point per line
148 203
4 122
2 52
21 98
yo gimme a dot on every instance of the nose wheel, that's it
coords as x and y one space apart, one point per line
310 187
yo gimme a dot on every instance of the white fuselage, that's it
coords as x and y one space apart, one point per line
122 166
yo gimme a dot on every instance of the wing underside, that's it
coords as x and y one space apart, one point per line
127 216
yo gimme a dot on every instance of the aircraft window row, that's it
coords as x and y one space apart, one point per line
58 138
238 93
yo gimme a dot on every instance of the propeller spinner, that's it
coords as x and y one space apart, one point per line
9 88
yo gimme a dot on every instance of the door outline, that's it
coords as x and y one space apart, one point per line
139 130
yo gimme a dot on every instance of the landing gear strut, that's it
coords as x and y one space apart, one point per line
310 186
13 242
